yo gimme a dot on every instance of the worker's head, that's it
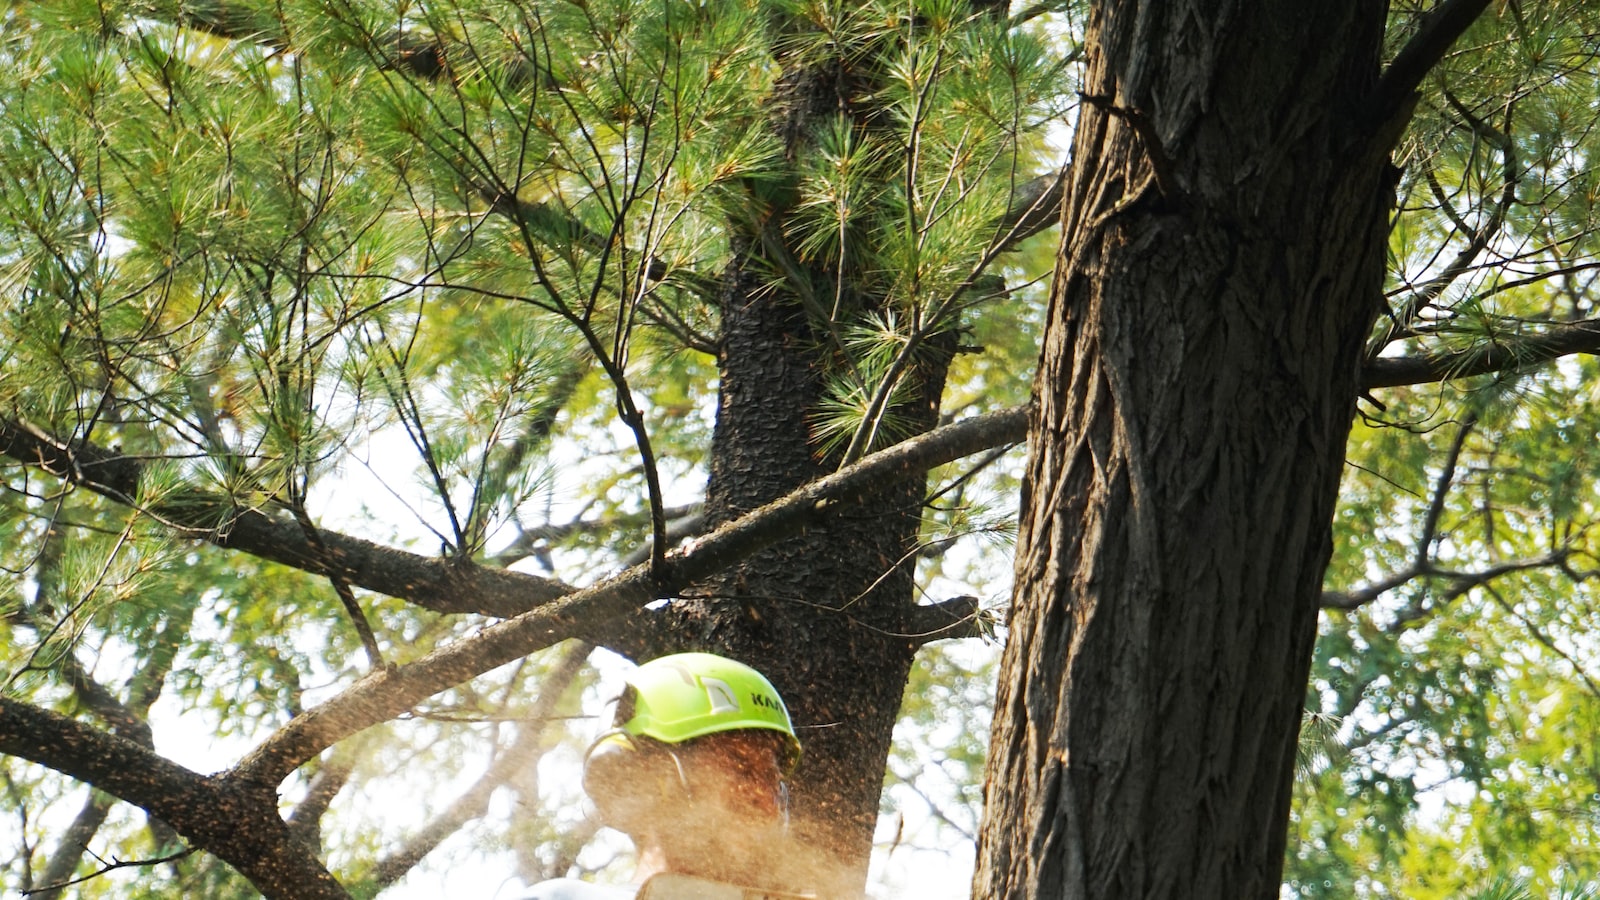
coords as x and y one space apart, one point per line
696 758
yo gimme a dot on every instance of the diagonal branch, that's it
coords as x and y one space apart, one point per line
306 819
442 585
74 842
1422 561
1437 29
1035 206
1441 491
1543 637
384 694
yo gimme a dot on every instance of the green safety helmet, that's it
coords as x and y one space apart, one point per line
684 696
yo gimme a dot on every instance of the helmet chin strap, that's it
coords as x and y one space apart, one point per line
683 777
688 791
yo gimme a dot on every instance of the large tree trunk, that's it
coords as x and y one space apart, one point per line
826 615
841 591
1222 259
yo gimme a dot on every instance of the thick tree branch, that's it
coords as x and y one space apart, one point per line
957 617
385 694
421 55
1437 29
1035 206
442 585
241 827
1517 353
74 842
1355 598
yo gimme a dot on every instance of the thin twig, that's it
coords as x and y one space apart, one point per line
358 618
111 866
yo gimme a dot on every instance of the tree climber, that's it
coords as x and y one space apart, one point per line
693 772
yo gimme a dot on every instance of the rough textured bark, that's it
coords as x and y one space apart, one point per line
841 590
1223 244
829 615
